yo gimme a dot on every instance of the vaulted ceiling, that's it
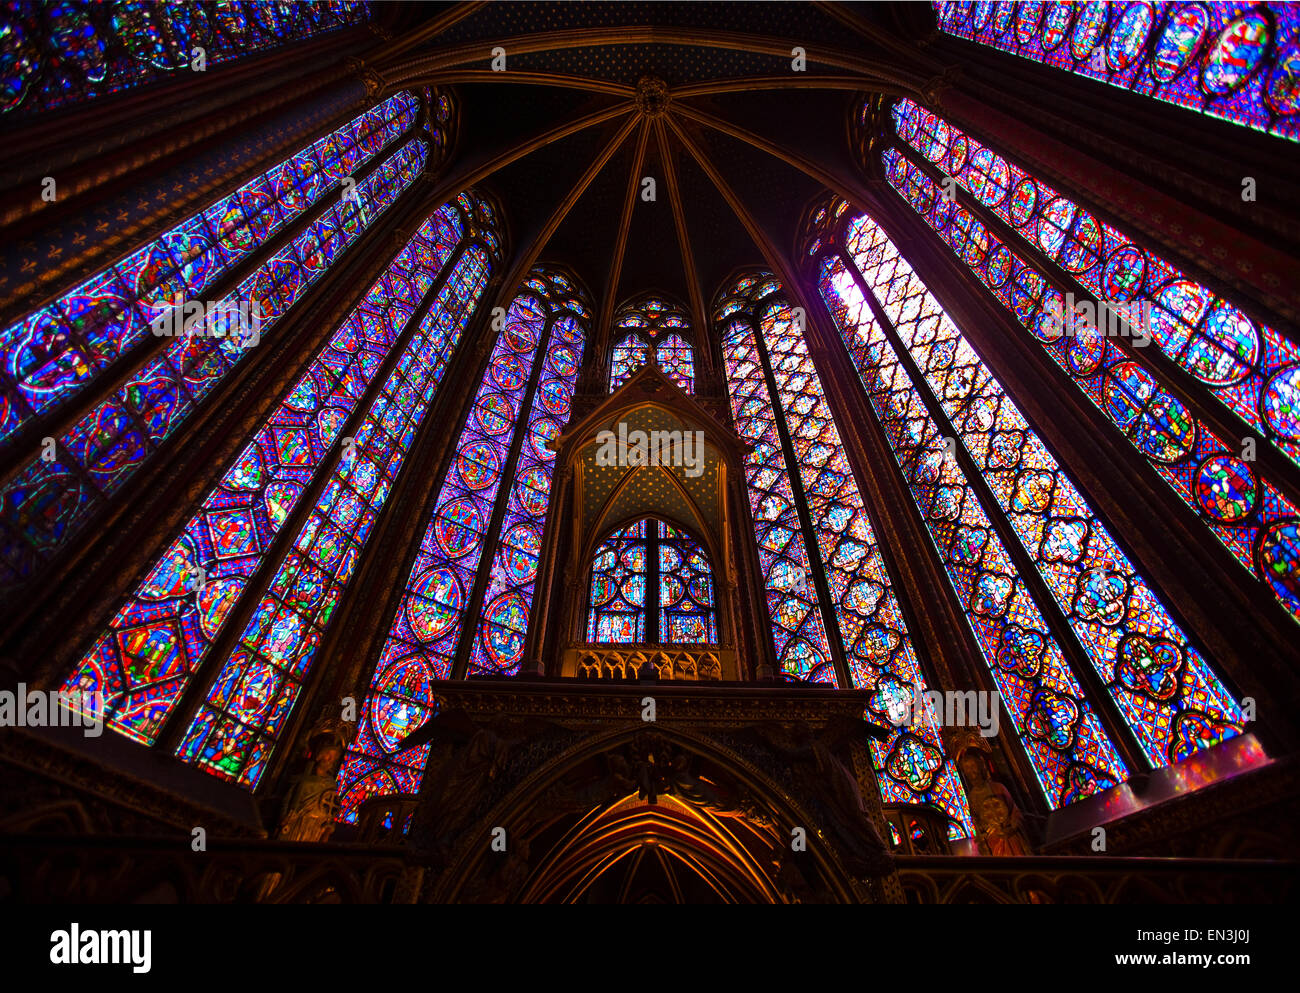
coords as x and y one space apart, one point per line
701 97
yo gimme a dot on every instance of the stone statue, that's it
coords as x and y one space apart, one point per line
999 823
1003 823
649 773
684 783
313 801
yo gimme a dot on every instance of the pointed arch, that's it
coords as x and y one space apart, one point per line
651 327
172 321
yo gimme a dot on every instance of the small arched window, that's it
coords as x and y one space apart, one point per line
651 583
651 328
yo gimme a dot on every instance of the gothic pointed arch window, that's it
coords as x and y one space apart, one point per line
1234 61
1100 678
323 464
70 52
833 614
469 591
173 318
651 583
651 328
1093 298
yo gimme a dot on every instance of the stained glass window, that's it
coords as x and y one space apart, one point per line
686 614
1251 369
652 327
161 635
629 354
1238 61
54 353
499 641
482 541
618 588
809 515
74 50
674 357
1068 748
651 583
1155 677
237 727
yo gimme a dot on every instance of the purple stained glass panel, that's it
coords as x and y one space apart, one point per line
160 635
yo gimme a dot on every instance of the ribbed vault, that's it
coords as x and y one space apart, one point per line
709 101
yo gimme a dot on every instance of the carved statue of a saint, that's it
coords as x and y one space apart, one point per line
999 823
313 801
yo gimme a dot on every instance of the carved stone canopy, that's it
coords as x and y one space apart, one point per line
572 779
609 495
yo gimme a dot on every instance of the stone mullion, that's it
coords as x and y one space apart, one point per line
940 632
1207 408
812 548
173 729
1218 418
1196 157
653 578
540 643
350 650
887 506
1252 273
1242 632
1120 733
491 537
130 132
121 220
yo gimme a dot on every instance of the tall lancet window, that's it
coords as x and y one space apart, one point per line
651 583
466 603
1237 61
1007 521
651 329
828 592
323 463
172 319
73 51
1095 300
